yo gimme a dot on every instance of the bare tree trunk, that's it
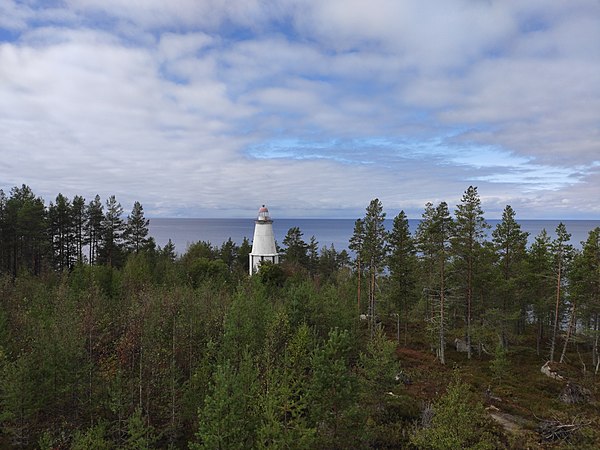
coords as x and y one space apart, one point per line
540 335
358 287
372 302
596 356
173 382
555 330
442 331
469 300
569 331
140 378
90 370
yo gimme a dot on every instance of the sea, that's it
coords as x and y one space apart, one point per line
327 232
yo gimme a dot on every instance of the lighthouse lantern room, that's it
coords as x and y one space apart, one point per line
263 244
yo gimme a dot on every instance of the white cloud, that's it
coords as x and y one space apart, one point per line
167 102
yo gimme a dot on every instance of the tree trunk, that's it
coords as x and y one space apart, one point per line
595 355
172 438
358 287
555 330
442 331
569 331
540 336
469 300
140 379
372 301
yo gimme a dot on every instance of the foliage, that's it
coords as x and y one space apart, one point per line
126 345
500 365
459 421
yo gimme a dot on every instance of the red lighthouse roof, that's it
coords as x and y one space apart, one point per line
263 214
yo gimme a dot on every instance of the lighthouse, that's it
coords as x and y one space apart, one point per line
263 244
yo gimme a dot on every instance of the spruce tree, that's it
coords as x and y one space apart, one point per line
402 262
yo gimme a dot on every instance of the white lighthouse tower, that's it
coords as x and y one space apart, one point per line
263 244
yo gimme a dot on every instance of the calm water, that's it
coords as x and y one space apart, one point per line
184 232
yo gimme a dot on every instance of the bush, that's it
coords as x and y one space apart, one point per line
458 422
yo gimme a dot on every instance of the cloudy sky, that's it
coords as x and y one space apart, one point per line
209 108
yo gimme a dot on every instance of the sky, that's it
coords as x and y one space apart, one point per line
210 108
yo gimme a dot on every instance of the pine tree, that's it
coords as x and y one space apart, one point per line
228 419
378 366
332 393
375 251
585 290
136 229
62 233
459 421
433 236
140 435
510 243
563 253
78 217
26 229
312 255
469 230
539 272
4 245
356 245
228 253
94 215
112 233
296 251
242 259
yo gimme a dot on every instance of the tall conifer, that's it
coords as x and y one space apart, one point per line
563 253
375 251
469 230
510 243
136 229
402 262
112 232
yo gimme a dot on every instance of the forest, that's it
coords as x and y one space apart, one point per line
452 335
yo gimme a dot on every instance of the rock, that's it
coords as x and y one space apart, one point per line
548 371
461 345
574 393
